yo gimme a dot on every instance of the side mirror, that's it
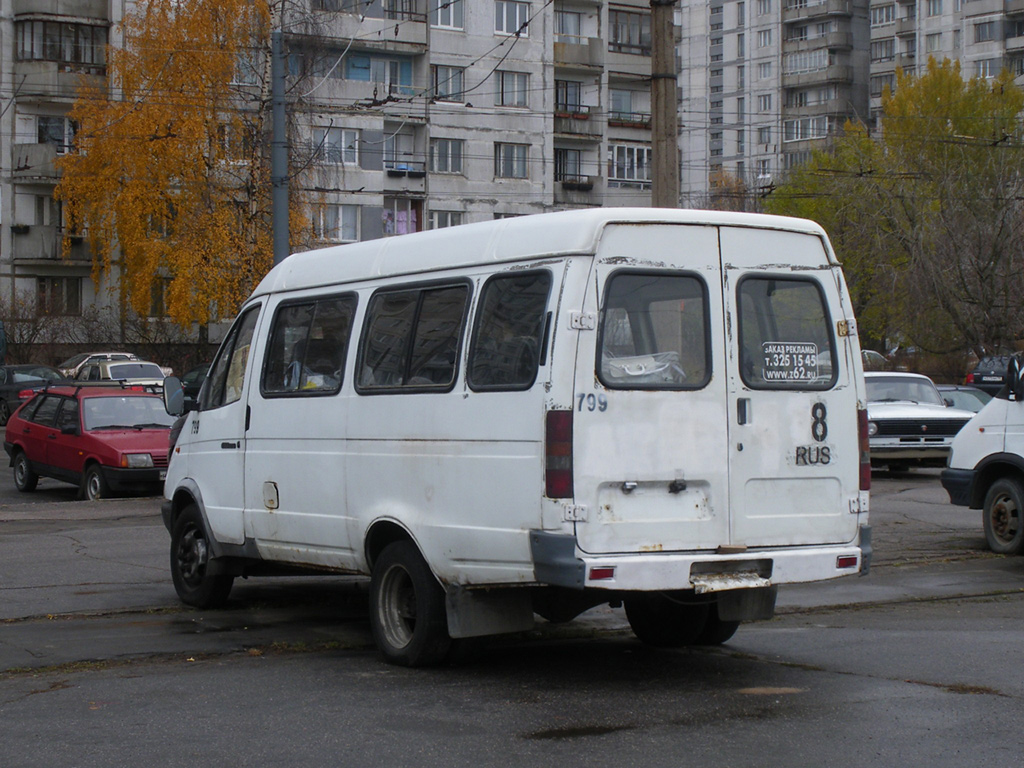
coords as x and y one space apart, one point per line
948 402
174 396
1015 378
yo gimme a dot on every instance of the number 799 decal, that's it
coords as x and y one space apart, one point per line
592 402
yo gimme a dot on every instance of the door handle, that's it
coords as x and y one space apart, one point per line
743 410
231 445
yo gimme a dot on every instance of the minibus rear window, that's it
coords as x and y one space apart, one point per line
654 332
507 340
785 334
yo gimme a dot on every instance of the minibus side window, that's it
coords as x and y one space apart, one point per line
785 334
411 339
505 348
654 332
308 346
227 374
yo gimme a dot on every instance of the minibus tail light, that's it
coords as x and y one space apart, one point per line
865 449
558 455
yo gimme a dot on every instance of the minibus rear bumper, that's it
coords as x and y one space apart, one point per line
558 562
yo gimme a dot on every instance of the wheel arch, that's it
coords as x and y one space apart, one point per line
992 468
379 535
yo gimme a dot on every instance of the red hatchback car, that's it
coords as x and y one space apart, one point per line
103 439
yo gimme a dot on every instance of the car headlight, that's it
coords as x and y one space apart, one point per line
872 429
136 460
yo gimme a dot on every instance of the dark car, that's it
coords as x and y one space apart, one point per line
964 397
19 382
989 374
103 439
192 382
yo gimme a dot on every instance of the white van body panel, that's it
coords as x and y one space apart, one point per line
667 483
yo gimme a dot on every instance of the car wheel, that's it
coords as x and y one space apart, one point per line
407 609
5 413
1002 517
25 479
666 623
94 486
715 630
193 570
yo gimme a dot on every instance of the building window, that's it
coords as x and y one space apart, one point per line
336 223
764 38
764 70
629 165
988 67
511 18
764 7
510 160
58 131
764 135
806 61
879 82
567 27
984 31
59 295
248 66
741 76
399 9
336 146
764 102
394 74
741 46
764 169
630 32
933 43
741 142
449 83
442 219
402 215
446 14
568 165
512 88
934 7
883 50
883 14
64 43
956 39
805 128
568 95
398 152
446 155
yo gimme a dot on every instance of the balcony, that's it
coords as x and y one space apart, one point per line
42 242
833 41
630 120
407 35
981 7
800 12
906 26
582 191
51 80
88 9
573 120
583 52
836 73
1014 7
406 175
35 162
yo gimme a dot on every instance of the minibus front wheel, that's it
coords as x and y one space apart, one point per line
407 608
196 582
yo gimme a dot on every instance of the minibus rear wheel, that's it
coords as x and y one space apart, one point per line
1003 517
196 583
407 610
664 622
715 630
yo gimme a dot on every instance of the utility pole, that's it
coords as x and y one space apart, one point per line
664 107
278 150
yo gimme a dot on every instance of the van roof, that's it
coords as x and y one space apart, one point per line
492 242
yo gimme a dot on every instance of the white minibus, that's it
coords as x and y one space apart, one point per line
534 416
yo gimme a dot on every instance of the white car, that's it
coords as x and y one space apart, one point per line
74 364
909 423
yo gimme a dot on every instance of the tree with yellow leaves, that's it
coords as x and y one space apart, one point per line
170 180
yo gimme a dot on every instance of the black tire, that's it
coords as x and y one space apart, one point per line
1003 517
407 610
664 623
25 479
715 630
190 563
94 486
5 413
